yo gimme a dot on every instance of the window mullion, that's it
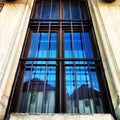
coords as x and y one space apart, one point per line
46 66
60 63
86 53
73 56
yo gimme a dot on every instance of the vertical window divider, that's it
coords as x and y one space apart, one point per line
31 69
47 55
84 46
60 63
72 42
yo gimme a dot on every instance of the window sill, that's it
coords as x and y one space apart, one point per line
21 116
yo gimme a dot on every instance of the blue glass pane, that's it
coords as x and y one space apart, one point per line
81 85
66 11
34 44
43 46
75 11
55 11
38 14
46 11
35 81
67 45
53 40
77 45
87 44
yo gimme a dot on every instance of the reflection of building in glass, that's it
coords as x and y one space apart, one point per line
32 95
85 98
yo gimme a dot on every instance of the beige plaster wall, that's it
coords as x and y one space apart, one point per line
106 20
14 19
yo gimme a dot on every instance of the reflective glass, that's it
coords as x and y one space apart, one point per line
77 45
82 89
46 9
33 98
43 45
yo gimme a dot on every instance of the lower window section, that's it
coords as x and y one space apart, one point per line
38 94
42 84
82 90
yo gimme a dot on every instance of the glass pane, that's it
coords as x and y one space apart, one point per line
55 11
38 13
78 10
66 11
82 90
77 45
46 11
75 10
43 45
38 94
87 44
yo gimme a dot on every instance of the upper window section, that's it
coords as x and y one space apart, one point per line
75 10
68 9
47 10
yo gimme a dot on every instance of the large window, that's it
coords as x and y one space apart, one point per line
60 69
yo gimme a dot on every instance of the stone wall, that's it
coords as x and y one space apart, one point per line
14 19
106 21
61 117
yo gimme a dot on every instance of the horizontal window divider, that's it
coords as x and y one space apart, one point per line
41 64
29 65
57 26
60 59
79 20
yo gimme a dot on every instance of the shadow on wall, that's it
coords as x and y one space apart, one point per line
109 1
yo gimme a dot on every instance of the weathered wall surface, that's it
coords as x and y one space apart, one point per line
106 20
61 117
14 19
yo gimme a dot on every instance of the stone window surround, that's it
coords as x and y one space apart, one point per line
110 63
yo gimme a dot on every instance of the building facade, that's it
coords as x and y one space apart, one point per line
59 56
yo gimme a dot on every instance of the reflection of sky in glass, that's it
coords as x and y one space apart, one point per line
78 76
43 46
76 45
79 46
39 72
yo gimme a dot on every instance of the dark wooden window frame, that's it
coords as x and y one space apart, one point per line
60 27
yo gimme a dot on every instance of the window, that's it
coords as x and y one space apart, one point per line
60 69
